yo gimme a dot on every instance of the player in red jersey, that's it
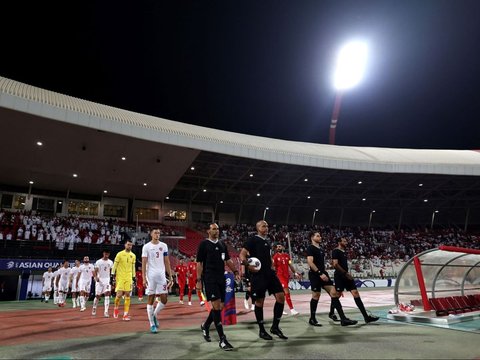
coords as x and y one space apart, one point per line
283 263
139 283
192 279
181 272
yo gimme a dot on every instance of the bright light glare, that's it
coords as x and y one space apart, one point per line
351 64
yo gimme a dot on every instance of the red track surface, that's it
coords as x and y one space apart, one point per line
54 323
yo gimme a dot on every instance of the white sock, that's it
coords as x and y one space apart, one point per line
82 301
106 303
95 302
159 307
150 314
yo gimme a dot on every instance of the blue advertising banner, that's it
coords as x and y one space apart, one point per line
229 312
29 264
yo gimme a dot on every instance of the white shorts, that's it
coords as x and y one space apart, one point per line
157 284
74 287
102 286
85 286
63 286
47 288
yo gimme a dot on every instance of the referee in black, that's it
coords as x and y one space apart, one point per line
344 280
264 280
212 255
319 279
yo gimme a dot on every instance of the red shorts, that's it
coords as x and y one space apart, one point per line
192 283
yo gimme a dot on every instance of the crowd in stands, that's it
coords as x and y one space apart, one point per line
65 232
380 248
384 244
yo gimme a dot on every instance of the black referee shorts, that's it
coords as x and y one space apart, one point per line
342 283
316 283
215 290
265 281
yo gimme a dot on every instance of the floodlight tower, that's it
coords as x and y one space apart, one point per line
434 212
265 213
349 71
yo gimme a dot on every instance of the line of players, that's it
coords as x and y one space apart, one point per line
77 281
187 276
156 266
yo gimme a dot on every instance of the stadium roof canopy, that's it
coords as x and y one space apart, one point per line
239 173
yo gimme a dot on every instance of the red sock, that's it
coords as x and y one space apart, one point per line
289 301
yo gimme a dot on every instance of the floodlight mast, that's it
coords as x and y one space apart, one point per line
350 69
335 113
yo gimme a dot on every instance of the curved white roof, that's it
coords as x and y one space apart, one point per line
40 102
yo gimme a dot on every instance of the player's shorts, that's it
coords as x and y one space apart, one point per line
74 287
123 284
102 286
283 281
316 283
157 284
192 282
264 281
181 285
85 286
63 286
47 288
342 283
215 290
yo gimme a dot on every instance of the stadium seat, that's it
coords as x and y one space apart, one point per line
473 302
463 303
454 305
441 307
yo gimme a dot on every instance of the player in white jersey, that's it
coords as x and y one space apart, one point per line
155 264
103 270
74 271
47 281
84 281
55 288
63 283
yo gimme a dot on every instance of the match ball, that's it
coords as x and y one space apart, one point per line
253 261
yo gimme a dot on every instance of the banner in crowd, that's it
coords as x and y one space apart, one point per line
29 264
229 312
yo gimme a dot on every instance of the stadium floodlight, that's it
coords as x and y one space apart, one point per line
349 71
351 65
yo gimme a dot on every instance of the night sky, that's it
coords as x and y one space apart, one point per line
262 67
